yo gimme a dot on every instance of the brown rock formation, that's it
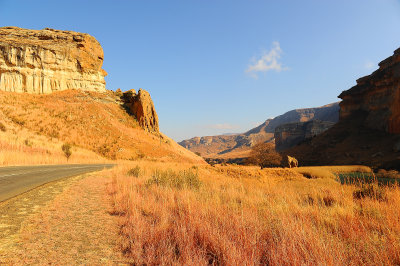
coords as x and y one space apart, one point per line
142 107
289 135
369 126
44 61
378 95
238 145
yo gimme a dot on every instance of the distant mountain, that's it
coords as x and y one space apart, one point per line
239 145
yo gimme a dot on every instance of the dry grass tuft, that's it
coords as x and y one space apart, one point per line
330 171
242 215
388 174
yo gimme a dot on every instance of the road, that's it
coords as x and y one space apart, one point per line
15 180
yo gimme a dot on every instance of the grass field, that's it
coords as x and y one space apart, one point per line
230 215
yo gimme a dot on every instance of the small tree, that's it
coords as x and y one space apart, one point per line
66 148
264 155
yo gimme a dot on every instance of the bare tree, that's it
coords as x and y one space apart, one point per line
264 155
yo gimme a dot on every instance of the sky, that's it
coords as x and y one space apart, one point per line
225 66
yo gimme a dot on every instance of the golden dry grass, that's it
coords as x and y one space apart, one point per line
33 128
246 216
19 146
331 171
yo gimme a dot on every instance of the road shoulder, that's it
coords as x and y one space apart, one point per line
76 227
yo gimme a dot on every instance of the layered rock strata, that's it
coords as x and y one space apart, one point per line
44 61
142 107
289 135
376 95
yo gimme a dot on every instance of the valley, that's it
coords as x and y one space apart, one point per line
201 201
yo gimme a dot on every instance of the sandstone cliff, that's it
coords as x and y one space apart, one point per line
239 145
289 135
369 128
44 61
378 95
141 106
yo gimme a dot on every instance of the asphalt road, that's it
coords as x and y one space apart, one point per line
15 180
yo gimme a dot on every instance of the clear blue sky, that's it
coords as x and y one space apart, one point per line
224 66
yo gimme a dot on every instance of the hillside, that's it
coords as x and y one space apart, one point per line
33 128
238 145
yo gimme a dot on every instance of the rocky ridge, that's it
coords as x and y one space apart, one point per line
378 95
289 135
142 107
48 60
368 131
239 145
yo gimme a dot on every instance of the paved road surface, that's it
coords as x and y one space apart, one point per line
15 180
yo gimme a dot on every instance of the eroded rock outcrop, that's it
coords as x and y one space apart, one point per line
44 61
288 135
141 106
376 95
235 145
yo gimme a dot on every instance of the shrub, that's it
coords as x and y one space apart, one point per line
136 171
182 179
103 150
28 143
264 155
198 153
66 148
18 120
3 127
372 191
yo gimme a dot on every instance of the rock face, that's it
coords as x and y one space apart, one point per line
44 61
378 96
289 135
329 112
142 107
238 145
368 131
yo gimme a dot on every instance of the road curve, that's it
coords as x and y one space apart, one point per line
15 180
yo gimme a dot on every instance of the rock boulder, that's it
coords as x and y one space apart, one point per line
141 106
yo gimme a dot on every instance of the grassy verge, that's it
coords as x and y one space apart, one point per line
242 215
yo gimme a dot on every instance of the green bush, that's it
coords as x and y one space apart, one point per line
136 171
182 179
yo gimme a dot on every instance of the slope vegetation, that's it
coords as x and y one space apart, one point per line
33 128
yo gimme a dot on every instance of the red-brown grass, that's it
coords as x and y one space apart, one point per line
243 215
